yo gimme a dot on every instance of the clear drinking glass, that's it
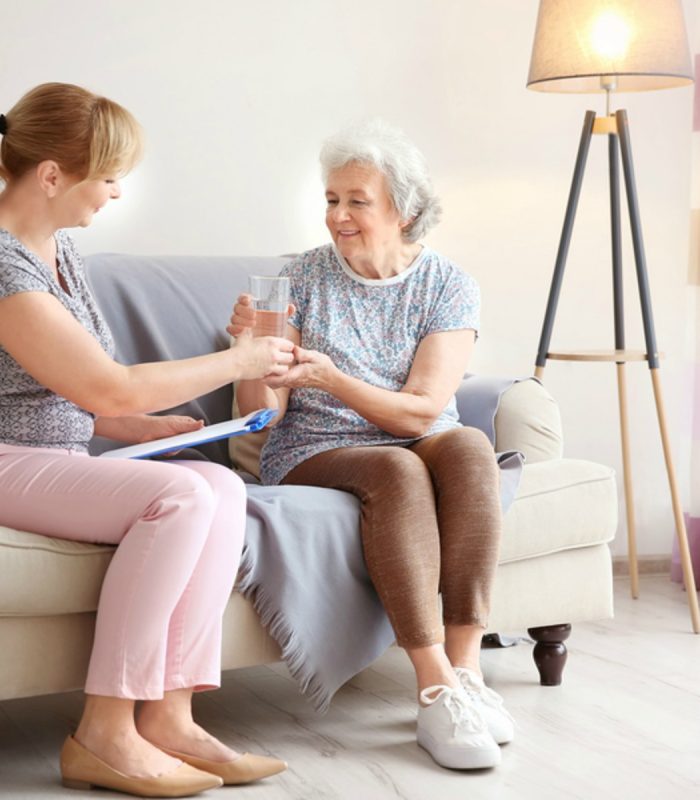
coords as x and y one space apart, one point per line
270 301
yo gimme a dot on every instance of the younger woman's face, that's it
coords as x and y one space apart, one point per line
85 198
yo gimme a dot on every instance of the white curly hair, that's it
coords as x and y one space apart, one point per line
389 150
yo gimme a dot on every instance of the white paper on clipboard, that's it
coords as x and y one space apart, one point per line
252 422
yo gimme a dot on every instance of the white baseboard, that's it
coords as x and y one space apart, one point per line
647 565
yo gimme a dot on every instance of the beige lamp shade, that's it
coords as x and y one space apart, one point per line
642 44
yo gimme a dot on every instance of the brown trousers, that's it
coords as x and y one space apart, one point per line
430 522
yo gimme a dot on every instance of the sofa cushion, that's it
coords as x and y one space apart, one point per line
45 575
578 501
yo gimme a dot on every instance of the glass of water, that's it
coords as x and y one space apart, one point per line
270 301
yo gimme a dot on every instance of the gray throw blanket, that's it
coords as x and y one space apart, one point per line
304 571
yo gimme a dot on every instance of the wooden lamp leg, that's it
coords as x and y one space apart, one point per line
627 474
653 358
686 562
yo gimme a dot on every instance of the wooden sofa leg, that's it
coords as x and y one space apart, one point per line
550 652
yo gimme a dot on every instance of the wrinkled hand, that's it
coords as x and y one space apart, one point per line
262 356
158 427
313 370
243 315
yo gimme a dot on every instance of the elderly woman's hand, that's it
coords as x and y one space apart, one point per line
312 370
243 315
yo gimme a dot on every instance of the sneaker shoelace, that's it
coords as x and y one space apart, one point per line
461 711
475 685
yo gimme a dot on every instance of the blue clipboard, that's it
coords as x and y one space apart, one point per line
251 423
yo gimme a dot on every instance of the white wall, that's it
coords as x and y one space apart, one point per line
236 97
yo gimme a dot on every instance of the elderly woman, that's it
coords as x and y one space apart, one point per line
384 328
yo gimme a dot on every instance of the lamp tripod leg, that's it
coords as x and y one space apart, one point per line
564 242
618 305
686 562
627 476
653 360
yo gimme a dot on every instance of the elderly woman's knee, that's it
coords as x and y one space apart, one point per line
473 440
399 468
464 441
461 451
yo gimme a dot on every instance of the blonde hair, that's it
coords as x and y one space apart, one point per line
86 135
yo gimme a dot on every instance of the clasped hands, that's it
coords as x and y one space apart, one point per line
310 368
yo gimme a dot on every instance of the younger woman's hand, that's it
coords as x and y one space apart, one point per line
137 428
158 427
313 370
261 356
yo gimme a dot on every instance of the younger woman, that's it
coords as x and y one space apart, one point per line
178 525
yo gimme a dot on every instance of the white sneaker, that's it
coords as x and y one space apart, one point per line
451 729
489 704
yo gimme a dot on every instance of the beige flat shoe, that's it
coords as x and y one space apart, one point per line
81 769
246 769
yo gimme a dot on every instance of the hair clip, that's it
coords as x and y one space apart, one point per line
3 125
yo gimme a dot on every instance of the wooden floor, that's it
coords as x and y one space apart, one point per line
625 723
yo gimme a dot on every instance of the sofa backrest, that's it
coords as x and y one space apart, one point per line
169 307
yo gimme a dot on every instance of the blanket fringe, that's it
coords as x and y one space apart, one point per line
310 684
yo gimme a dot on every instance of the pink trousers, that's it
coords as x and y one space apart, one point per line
179 527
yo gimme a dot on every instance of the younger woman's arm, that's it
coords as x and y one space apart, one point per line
54 348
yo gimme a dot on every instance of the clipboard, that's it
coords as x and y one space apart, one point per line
251 423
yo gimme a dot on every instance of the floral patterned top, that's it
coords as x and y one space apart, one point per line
371 330
30 414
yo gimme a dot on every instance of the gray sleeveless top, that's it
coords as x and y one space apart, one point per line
30 414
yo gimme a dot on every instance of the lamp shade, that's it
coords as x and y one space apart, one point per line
642 44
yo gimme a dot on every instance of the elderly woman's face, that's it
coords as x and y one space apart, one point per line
360 214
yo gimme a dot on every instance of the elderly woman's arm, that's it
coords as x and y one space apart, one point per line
438 367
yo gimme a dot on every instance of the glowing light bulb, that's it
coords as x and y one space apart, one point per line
610 35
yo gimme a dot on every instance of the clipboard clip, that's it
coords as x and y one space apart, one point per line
261 419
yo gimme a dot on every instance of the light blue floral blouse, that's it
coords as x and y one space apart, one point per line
371 330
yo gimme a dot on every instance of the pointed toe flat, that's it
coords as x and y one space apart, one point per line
244 769
81 769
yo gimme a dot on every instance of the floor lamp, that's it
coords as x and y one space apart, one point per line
606 46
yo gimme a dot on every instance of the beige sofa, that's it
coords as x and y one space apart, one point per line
555 565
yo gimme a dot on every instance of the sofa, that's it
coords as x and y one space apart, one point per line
555 564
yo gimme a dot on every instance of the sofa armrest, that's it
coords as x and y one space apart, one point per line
528 420
515 414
